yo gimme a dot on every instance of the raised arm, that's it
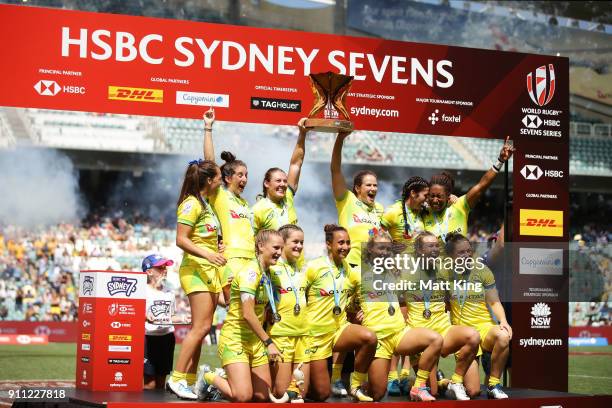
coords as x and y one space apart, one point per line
297 158
474 194
338 184
209 148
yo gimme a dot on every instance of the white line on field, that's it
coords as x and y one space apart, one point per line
590 376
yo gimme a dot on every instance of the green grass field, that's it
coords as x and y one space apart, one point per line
588 374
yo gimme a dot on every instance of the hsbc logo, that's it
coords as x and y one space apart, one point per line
119 325
533 172
532 121
530 172
51 88
47 88
541 85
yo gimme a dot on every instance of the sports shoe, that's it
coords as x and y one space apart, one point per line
421 394
496 392
338 390
295 397
393 388
404 386
361 396
202 389
180 389
439 375
457 392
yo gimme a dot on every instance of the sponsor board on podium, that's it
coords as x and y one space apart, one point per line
110 345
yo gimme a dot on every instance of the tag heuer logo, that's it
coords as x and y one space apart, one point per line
531 172
255 102
532 121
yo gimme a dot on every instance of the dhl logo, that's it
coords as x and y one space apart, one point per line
86 336
544 223
122 93
119 337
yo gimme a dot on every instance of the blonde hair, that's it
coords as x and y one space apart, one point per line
264 236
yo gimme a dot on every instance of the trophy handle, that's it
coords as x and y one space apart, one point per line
320 98
339 101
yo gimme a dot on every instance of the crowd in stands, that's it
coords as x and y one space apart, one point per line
39 268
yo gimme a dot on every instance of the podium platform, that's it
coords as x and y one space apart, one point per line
528 398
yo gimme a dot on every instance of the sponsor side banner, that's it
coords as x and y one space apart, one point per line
110 344
138 65
56 332
591 332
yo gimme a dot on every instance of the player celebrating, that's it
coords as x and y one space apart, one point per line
233 211
469 308
330 282
289 332
197 234
358 211
245 349
276 207
426 308
445 218
381 313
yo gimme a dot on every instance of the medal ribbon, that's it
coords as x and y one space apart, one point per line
281 215
442 234
336 292
293 288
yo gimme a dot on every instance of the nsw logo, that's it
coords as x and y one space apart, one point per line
540 316
541 85
121 284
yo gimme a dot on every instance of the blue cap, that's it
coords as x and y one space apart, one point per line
155 260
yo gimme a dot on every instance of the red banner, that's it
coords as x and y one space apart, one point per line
57 332
123 64
590 331
23 339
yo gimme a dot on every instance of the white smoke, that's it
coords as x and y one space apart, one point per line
39 187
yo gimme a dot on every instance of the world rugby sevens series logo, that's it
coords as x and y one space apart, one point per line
121 284
542 89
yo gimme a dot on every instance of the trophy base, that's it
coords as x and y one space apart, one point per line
329 125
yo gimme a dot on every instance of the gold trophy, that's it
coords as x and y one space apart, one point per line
330 90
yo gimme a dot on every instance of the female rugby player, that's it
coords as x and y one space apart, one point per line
358 211
404 220
289 329
445 217
197 234
426 308
276 207
233 211
381 314
331 282
469 308
245 349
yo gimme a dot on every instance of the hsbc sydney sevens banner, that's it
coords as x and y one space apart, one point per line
112 63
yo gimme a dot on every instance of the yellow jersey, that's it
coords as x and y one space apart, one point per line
269 215
290 291
393 221
381 309
250 279
468 304
454 219
359 219
328 287
205 226
236 221
429 292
